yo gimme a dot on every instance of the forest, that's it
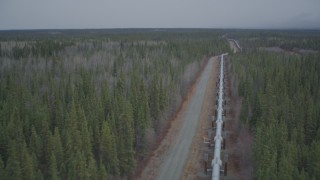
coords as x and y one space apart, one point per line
288 40
280 106
90 104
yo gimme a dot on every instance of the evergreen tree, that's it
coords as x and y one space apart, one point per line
102 173
39 175
285 171
85 136
92 169
58 150
27 165
3 174
13 167
53 169
108 151
35 144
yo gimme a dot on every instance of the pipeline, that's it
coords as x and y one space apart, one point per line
238 46
216 161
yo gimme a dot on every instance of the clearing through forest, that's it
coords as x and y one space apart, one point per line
234 46
194 167
168 160
177 155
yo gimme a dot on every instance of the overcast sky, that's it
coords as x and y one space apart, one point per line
66 14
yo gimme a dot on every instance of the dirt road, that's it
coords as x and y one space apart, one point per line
194 167
177 154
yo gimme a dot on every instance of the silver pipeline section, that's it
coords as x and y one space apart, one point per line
216 162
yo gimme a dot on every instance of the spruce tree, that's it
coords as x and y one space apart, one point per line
53 168
57 145
3 173
13 167
107 150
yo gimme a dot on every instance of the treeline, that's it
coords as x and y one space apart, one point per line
281 107
285 39
90 108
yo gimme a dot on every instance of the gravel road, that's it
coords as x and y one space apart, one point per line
175 158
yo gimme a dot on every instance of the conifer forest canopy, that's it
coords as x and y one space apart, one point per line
90 104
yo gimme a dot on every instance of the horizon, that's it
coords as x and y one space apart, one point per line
113 14
184 28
